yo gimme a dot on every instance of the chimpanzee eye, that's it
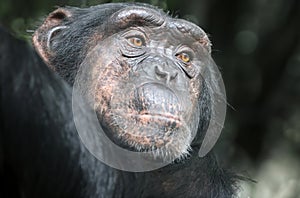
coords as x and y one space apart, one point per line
136 41
184 57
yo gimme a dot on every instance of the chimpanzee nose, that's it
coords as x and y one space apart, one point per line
166 72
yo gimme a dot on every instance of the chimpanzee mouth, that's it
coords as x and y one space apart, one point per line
165 115
160 116
153 100
151 119
164 120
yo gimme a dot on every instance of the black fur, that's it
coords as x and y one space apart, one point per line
42 156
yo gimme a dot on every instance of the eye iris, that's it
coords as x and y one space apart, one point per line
137 42
184 57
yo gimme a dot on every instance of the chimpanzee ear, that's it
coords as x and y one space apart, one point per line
45 35
56 17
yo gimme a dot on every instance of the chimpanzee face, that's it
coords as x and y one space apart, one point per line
142 71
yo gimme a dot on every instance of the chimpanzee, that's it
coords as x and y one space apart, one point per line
140 71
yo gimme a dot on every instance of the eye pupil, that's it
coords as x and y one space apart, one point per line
137 42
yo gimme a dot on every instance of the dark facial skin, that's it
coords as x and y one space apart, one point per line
145 76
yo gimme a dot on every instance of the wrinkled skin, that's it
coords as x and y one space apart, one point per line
145 95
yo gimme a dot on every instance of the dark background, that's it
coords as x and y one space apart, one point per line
256 44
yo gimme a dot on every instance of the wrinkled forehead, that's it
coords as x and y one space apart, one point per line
172 32
186 28
160 23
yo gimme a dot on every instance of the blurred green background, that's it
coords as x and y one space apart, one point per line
256 44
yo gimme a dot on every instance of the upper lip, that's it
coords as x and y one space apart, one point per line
155 83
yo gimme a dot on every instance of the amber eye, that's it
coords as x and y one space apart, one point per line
184 57
136 41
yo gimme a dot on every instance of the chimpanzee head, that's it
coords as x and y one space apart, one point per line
142 69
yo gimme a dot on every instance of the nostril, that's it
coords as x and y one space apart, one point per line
160 72
174 75
165 74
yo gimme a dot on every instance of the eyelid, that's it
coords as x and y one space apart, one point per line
185 49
